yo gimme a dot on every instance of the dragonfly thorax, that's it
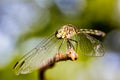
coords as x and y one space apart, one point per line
66 32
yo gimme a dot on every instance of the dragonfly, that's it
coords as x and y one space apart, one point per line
67 38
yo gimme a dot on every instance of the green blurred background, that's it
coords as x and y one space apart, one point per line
24 23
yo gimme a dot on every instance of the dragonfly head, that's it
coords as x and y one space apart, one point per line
66 31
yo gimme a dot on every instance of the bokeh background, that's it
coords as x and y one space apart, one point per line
24 23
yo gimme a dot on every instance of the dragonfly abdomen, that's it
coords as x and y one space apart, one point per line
93 32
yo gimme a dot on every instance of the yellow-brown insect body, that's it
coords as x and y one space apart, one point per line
69 30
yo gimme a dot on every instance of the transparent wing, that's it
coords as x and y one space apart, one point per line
89 46
38 56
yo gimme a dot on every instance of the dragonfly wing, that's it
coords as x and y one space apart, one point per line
38 57
89 46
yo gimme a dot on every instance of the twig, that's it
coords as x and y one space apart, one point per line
71 55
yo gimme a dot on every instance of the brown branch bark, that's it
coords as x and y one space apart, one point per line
71 55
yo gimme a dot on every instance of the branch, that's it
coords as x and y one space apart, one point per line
71 55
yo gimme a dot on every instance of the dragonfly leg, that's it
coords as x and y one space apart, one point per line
75 42
69 44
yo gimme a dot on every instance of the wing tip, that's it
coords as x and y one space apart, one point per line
15 65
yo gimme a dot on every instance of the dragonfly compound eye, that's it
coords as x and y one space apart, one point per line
58 35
